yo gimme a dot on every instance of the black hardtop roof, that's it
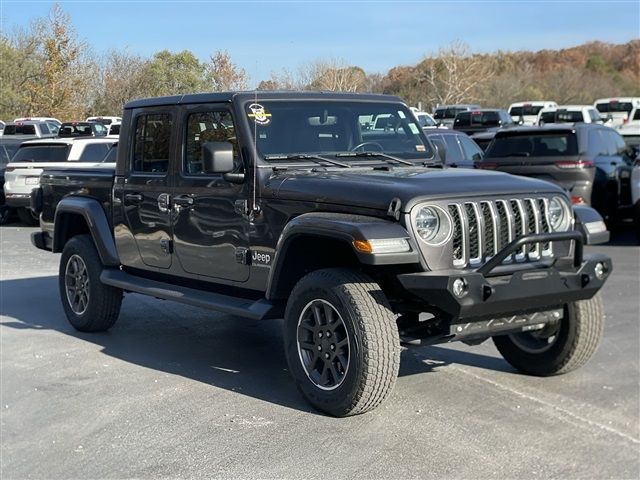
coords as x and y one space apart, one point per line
261 95
550 128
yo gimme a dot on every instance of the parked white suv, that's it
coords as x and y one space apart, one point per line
617 109
570 114
527 112
22 174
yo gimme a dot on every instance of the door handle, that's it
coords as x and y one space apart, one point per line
183 201
134 198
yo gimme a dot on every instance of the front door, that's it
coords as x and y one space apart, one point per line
145 193
210 229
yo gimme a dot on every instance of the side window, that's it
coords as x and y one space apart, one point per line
472 152
151 143
596 145
595 116
202 127
454 153
94 152
438 142
44 129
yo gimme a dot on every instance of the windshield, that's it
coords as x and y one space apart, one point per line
614 107
42 153
425 121
534 145
528 110
329 128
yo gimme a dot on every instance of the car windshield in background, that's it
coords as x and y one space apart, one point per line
614 107
486 119
526 110
20 130
534 145
425 121
442 113
335 129
42 153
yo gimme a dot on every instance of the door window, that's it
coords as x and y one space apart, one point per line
202 127
454 152
472 151
151 143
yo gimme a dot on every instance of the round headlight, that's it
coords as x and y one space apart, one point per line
558 215
432 225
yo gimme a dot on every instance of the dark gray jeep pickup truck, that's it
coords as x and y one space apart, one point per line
295 206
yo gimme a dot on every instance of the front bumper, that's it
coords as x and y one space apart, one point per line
487 294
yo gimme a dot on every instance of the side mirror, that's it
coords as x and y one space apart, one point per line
217 157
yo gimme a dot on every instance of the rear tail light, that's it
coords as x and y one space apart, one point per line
568 164
486 165
577 200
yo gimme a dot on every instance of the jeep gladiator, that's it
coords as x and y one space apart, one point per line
293 205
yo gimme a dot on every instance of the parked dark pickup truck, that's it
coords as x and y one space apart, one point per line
272 205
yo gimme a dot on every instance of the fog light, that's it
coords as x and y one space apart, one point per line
600 270
460 287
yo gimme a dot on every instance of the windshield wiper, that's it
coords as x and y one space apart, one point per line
375 154
304 156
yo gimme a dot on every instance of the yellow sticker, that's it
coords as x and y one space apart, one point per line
259 114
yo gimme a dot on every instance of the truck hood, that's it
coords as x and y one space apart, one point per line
375 189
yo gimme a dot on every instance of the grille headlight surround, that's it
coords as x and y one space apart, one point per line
559 215
432 225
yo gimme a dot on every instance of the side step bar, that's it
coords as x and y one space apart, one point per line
255 310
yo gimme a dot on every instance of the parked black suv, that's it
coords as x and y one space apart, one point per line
590 161
482 120
287 204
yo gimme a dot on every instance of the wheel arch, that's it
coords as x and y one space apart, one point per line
79 215
326 240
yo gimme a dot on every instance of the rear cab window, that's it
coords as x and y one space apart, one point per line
614 107
20 130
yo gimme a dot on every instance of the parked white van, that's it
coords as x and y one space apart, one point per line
527 112
618 109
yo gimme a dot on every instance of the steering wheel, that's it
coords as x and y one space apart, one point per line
375 144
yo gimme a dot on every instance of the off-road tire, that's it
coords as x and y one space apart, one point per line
28 217
577 339
374 346
104 301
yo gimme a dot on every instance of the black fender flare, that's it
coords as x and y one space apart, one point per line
590 223
93 213
346 228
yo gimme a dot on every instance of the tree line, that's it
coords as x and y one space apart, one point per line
47 70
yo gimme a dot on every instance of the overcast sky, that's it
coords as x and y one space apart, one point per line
376 35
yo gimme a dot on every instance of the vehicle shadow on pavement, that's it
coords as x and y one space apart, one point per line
236 354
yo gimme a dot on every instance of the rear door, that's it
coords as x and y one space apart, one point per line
144 241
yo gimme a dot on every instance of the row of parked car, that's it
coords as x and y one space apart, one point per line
29 145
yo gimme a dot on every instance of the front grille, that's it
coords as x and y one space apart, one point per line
481 229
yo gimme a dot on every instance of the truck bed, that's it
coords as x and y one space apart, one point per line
96 182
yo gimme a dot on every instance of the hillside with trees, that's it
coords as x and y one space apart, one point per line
46 70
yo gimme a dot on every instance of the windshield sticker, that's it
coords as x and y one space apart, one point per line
420 148
259 114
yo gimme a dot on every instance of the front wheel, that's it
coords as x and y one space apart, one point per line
90 305
559 347
341 341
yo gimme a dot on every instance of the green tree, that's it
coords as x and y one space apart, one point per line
174 73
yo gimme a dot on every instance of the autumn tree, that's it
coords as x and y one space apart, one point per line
221 74
174 73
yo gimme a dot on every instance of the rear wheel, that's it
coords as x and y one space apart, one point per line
28 217
90 305
559 347
341 341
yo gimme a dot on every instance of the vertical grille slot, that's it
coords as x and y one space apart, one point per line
457 239
519 227
545 226
489 220
473 221
533 226
505 224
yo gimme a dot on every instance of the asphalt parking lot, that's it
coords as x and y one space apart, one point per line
173 391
